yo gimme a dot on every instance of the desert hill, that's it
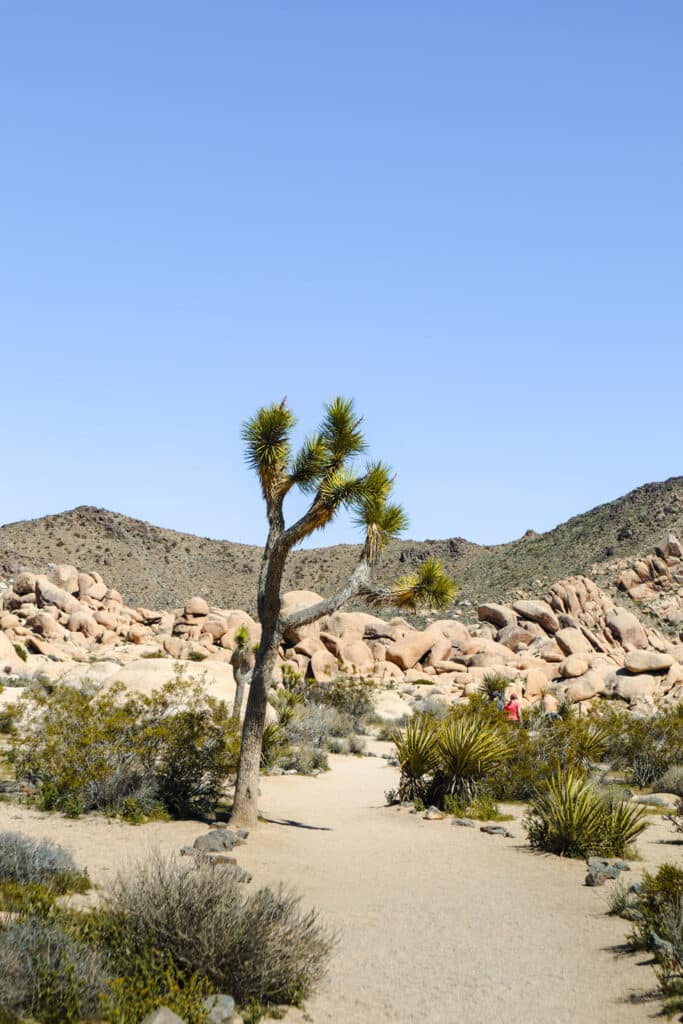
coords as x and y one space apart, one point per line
158 568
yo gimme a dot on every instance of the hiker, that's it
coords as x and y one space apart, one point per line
498 699
512 709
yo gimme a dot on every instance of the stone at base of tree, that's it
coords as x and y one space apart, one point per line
464 822
162 1015
220 1008
433 814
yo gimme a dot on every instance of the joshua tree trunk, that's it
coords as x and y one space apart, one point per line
245 811
323 468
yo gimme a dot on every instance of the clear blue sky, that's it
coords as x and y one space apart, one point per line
469 216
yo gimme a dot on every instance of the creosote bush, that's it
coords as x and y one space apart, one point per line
254 944
127 754
26 861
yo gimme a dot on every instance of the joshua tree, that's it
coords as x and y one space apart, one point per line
324 468
242 663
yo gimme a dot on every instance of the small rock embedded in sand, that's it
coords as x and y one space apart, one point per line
433 814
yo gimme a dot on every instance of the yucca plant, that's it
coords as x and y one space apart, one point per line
569 817
468 749
416 755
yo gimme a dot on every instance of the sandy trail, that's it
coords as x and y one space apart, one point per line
436 923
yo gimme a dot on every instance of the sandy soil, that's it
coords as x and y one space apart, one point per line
436 923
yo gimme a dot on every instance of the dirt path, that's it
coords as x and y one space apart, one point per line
437 924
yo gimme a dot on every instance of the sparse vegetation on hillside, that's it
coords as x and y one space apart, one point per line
158 568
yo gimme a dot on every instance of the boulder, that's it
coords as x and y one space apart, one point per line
497 614
220 1008
25 583
65 577
539 612
535 685
514 637
412 648
635 688
647 661
10 662
162 1015
295 601
574 666
46 624
83 622
572 641
324 666
626 628
48 593
196 607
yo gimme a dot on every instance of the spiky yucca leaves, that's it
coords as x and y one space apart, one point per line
429 587
267 443
467 750
416 754
569 817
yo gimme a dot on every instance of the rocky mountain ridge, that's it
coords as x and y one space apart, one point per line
158 568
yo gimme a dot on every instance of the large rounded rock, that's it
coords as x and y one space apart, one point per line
10 662
647 661
540 612
25 583
65 577
85 623
295 601
636 688
497 614
196 607
626 628
49 593
324 666
412 648
573 666
572 641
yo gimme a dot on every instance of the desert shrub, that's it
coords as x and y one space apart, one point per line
356 744
569 817
48 974
351 697
335 745
304 759
152 980
21 652
39 862
313 724
8 718
127 753
253 944
546 747
197 656
671 781
646 747
657 912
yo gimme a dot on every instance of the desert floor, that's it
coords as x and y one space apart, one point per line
436 923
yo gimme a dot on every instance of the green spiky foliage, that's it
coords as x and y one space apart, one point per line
569 817
429 587
416 755
468 749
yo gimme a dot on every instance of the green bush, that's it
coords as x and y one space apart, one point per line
256 945
671 781
645 747
657 912
568 816
21 652
416 754
150 981
126 753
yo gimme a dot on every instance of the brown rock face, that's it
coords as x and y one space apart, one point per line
48 593
411 649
